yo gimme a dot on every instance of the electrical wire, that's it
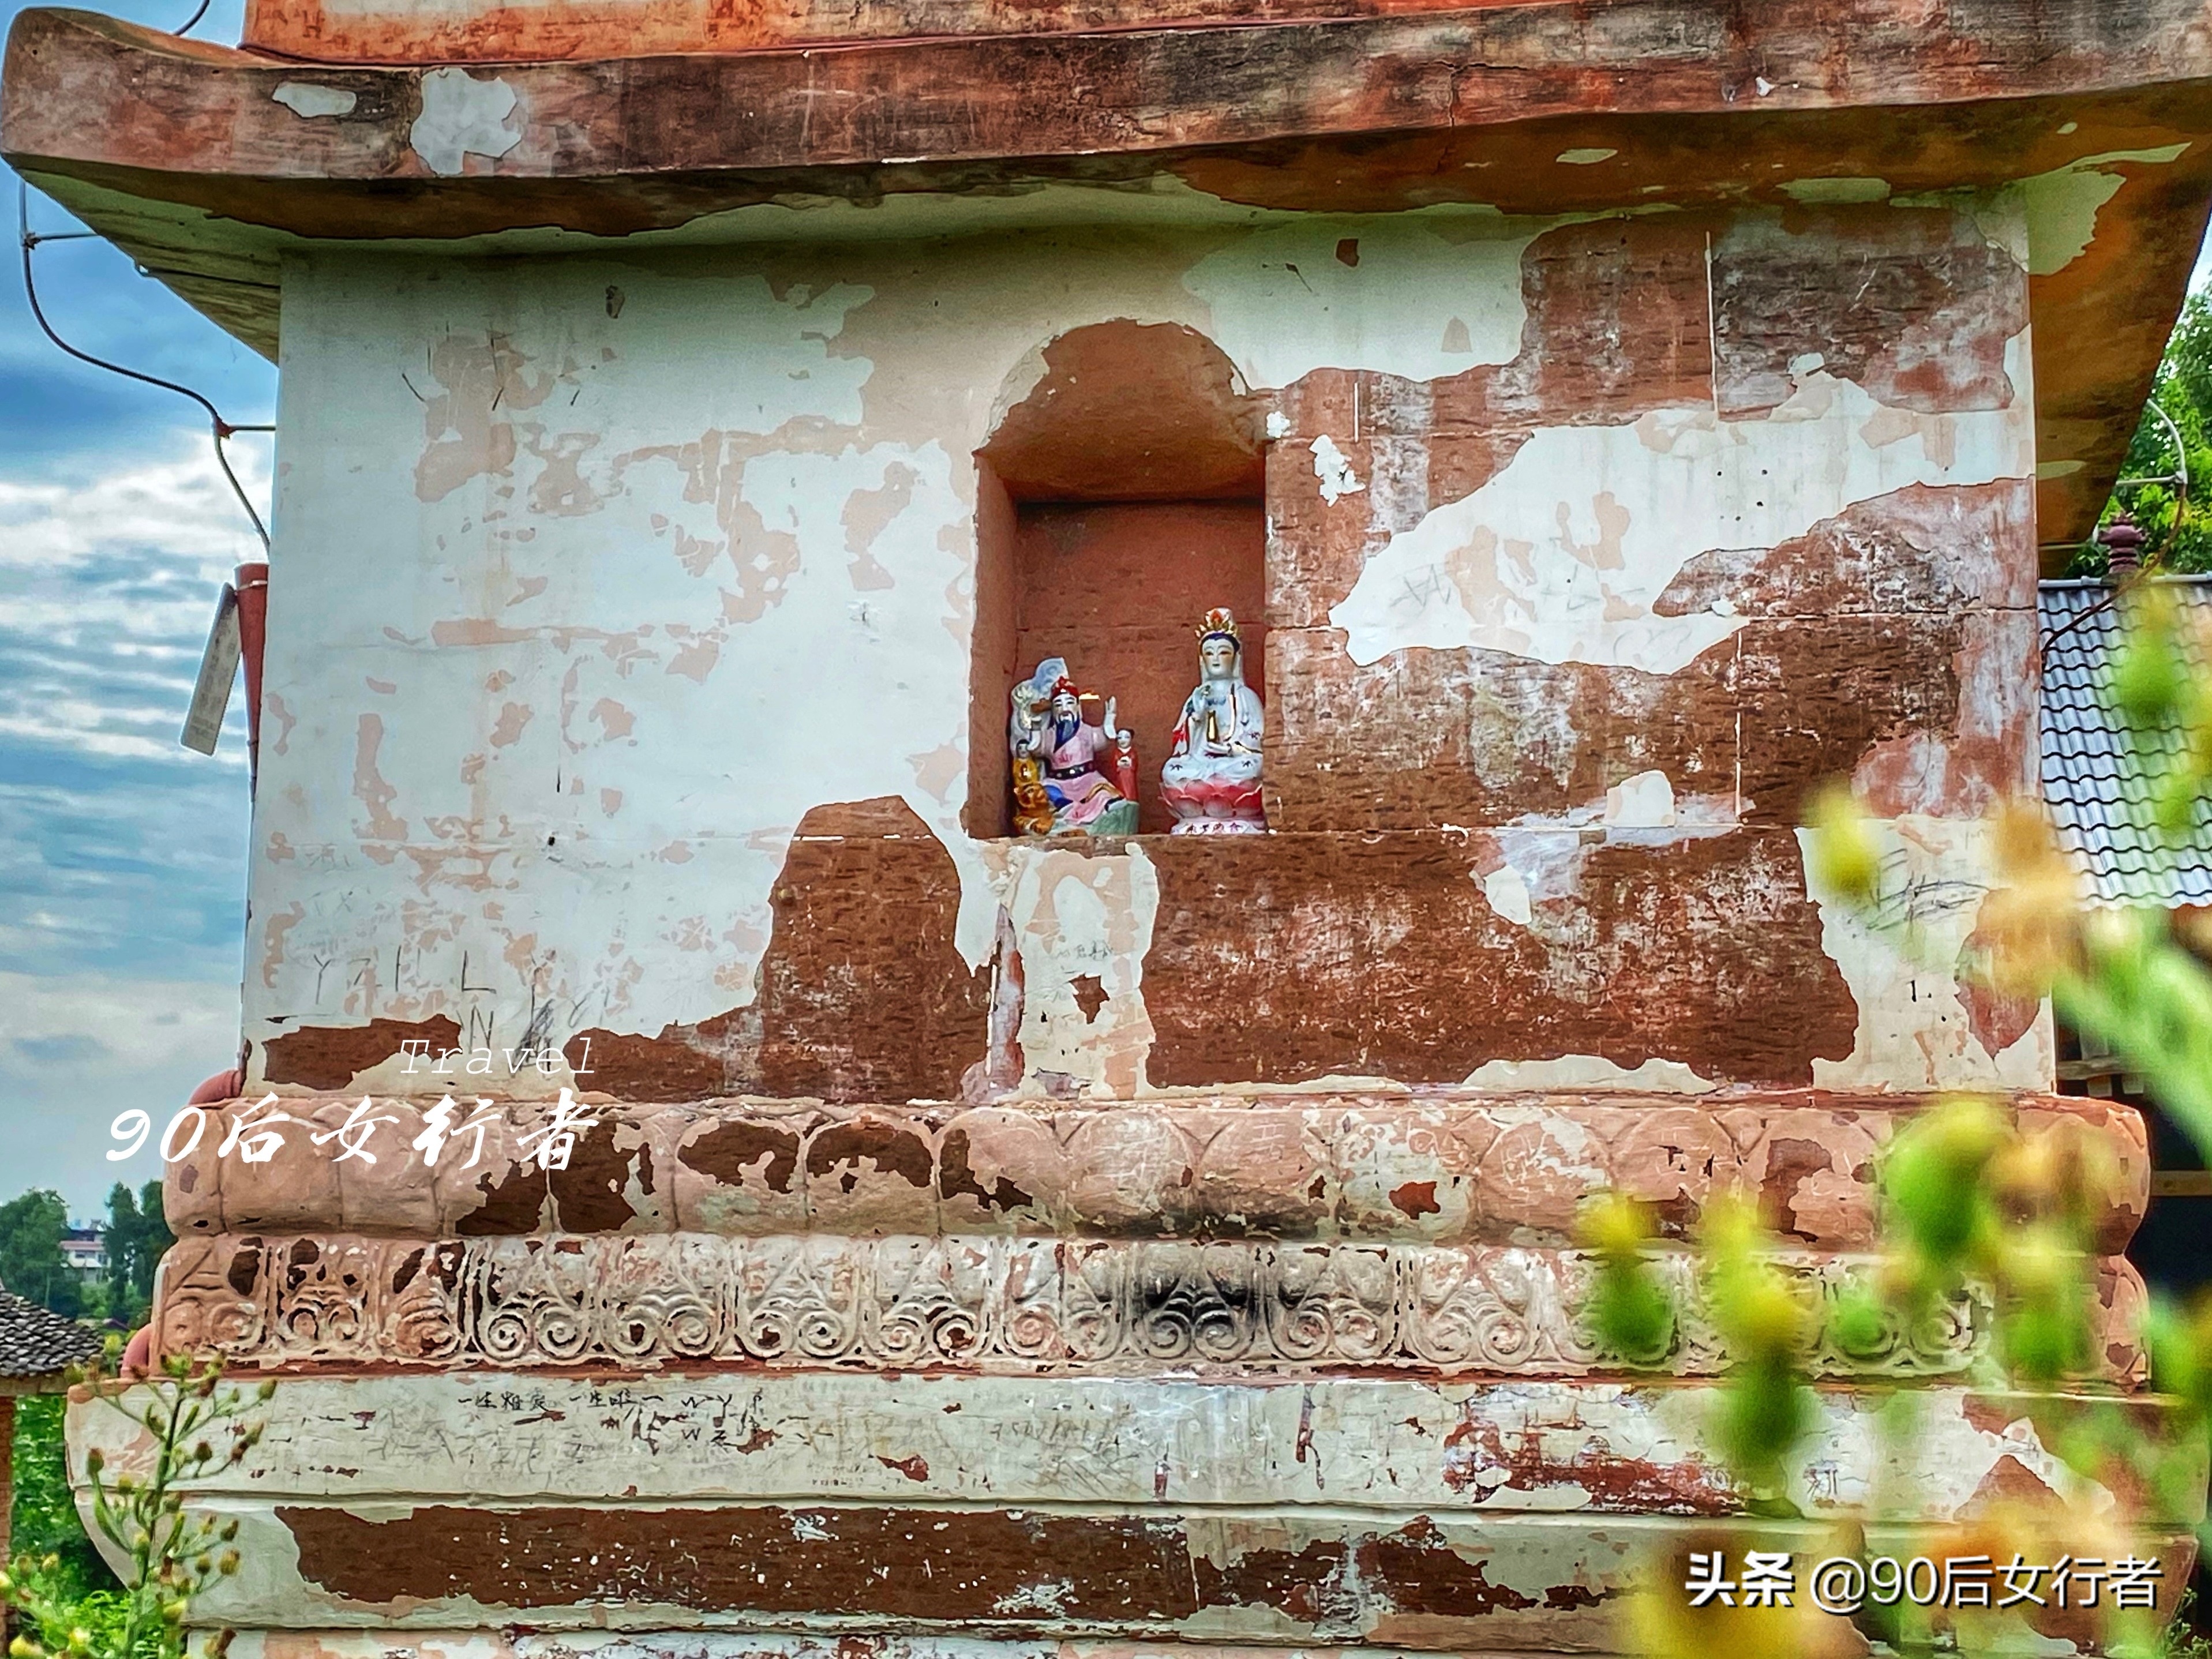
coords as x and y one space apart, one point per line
220 428
188 24
2042 645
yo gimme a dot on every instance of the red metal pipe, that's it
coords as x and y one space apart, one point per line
252 584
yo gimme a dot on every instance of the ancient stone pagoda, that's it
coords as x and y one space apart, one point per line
1608 419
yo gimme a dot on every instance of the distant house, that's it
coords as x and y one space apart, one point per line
2097 802
84 1251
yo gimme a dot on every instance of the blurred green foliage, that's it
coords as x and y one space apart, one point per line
1969 1203
190 1428
43 1520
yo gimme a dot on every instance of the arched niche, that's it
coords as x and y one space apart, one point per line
1118 499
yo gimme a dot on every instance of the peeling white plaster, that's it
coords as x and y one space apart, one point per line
1902 966
1508 894
625 622
1573 1071
1542 855
462 117
1285 302
632 637
2058 469
1645 801
1546 864
2062 205
1245 1462
1078 916
632 648
1333 471
1279 424
1562 555
1582 158
307 101
1823 190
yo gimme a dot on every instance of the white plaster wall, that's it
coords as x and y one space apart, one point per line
593 575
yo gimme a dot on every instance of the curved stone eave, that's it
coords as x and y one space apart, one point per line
208 164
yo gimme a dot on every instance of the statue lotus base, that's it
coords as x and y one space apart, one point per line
1215 803
1219 827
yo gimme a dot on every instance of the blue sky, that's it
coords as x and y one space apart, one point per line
122 854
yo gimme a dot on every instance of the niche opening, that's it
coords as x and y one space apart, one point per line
1117 502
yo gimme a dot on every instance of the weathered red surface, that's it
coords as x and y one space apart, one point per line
1404 1580
1127 412
327 1057
1501 1169
1697 103
1379 956
1875 650
596 28
1418 978
1896 640
830 951
986 1569
206 112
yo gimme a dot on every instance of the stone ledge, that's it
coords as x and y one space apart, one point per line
1347 1164
1594 1448
1404 1579
617 112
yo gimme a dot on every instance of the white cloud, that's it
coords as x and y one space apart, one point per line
179 502
77 1050
121 855
108 584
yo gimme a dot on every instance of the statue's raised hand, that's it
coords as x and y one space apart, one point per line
1109 728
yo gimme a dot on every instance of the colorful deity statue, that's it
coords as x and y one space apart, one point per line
1212 779
1061 760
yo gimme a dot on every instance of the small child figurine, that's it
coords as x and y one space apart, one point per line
1125 763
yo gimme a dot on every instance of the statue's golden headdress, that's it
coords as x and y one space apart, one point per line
1219 624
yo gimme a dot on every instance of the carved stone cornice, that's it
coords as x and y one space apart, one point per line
990 1304
1497 1169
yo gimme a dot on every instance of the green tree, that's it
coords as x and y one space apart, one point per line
136 1234
120 1238
154 1239
31 1261
2178 534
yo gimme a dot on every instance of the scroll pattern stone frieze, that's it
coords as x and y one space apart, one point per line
982 1303
1500 1171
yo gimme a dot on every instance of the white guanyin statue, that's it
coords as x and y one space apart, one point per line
1060 784
1212 779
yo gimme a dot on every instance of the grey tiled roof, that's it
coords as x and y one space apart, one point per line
36 1343
2096 793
